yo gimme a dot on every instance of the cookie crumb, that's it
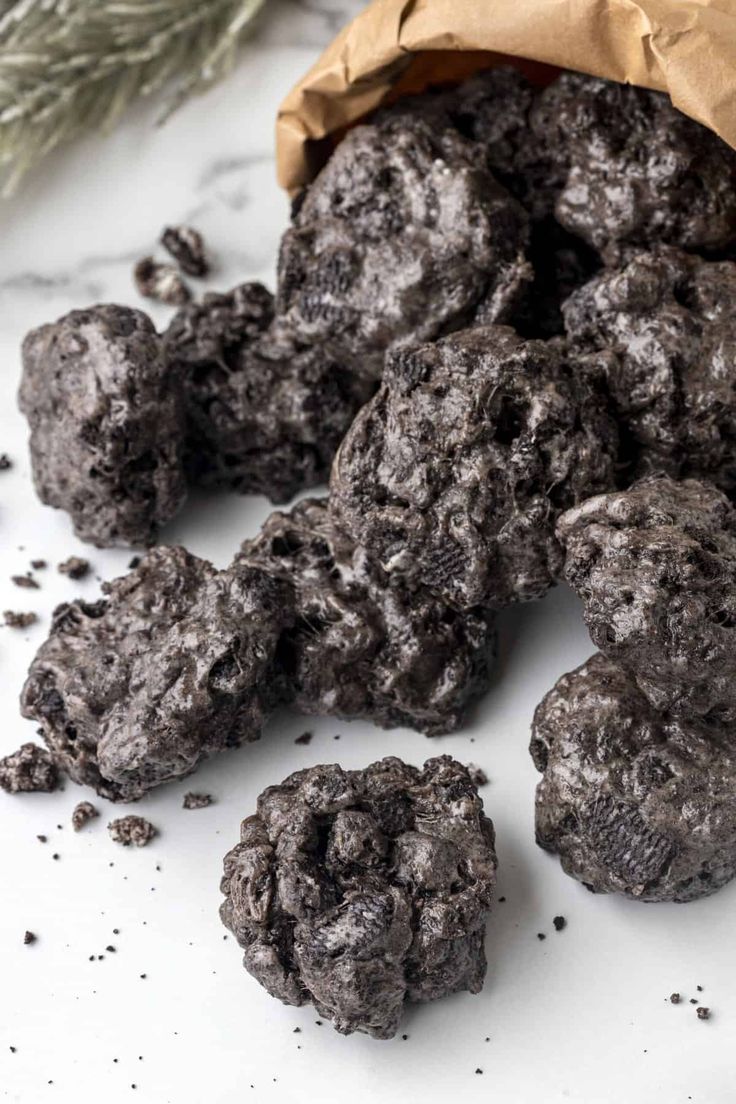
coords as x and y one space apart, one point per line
541 936
129 830
18 620
702 1013
305 738
5 462
83 813
477 775
186 246
25 581
675 998
155 280
196 801
75 567
39 565
29 937
559 922
28 770
134 563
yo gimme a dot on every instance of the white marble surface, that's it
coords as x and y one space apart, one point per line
580 1016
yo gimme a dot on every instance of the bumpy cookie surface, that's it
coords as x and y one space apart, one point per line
174 664
359 890
106 423
265 411
360 646
400 237
454 474
636 170
655 567
670 318
632 800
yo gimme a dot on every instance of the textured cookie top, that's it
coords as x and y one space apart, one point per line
175 663
400 237
670 318
656 569
106 422
633 801
358 890
638 171
454 474
364 645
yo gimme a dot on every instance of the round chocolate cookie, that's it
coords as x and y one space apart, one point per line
636 170
454 474
400 237
670 318
107 424
360 890
365 646
176 663
655 567
265 411
632 800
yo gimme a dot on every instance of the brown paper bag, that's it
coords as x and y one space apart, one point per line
684 47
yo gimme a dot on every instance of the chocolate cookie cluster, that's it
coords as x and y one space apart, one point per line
636 747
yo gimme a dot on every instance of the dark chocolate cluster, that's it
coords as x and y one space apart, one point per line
175 663
454 474
360 890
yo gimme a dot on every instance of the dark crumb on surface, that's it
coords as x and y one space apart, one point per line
305 738
56 856
83 813
42 839
675 998
29 937
479 1070
478 775
16 620
75 567
196 801
559 922
110 949
703 1013
155 280
541 936
5 462
318 1023
28 770
699 988
693 1000
336 737
116 931
186 246
39 565
143 976
297 1031
134 563
25 581
501 900
12 1049
129 830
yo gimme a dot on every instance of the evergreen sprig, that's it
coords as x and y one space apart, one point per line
67 66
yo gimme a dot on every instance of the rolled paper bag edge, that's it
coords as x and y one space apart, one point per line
686 48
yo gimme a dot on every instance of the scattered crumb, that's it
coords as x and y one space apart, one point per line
196 801
501 900
305 738
110 949
186 246
29 937
541 935
404 1037
155 280
83 813
297 1031
17 620
56 856
693 1000
5 462
559 922
42 839
703 1013
477 775
479 1070
75 567
675 998
336 737
134 563
28 770
131 830
39 565
12 1050
699 988
25 581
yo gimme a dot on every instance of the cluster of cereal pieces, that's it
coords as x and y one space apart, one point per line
511 262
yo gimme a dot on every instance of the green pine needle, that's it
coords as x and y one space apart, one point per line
67 66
